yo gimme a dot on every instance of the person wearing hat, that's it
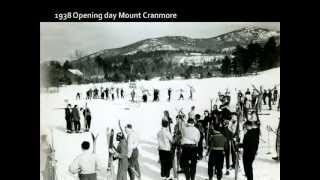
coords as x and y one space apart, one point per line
87 164
68 116
217 143
228 148
250 144
164 146
133 152
189 142
121 154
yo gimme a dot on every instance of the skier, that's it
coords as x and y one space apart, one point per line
217 143
166 117
250 144
189 142
264 96
112 93
277 158
228 148
269 95
205 124
68 116
132 95
164 142
247 92
122 93
107 93
169 94
133 152
78 96
95 93
102 94
76 119
199 126
88 95
144 97
181 95
86 164
176 145
47 160
278 107
240 99
247 107
117 90
155 95
275 95
191 114
87 118
122 155
258 102
191 91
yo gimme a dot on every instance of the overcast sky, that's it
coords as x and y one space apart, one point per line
59 40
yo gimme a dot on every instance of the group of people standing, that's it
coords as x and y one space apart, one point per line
87 164
107 93
220 132
72 117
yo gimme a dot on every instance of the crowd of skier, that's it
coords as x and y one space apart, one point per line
220 132
217 135
113 93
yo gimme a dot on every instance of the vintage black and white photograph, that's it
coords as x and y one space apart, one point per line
160 100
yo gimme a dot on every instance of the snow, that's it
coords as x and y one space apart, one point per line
146 119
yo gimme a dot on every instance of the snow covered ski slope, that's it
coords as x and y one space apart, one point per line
146 120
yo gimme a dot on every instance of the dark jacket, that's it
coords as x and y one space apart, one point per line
75 114
217 141
68 114
251 141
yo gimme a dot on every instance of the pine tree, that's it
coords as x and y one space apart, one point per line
226 66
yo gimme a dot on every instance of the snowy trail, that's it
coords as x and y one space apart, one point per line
146 119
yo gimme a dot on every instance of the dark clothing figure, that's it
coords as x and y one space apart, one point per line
134 164
68 117
181 95
78 96
165 162
250 146
216 156
278 108
169 94
117 91
92 176
95 93
76 119
275 96
269 95
87 118
112 96
121 93
102 95
144 98
123 162
107 93
200 144
156 95
229 147
264 95
133 93
205 125
189 161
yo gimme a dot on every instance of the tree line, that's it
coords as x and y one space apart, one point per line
252 58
